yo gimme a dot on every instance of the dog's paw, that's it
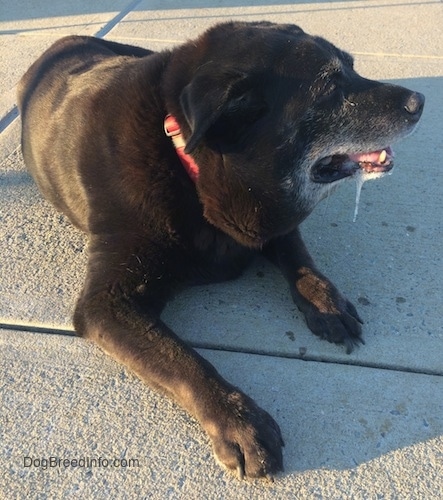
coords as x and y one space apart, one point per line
246 439
328 314
341 327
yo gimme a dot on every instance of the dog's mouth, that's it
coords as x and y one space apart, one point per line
335 167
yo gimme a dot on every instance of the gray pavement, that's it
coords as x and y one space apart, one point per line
367 425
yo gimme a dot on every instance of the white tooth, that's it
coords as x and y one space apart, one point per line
382 157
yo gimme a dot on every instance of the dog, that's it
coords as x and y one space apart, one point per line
181 166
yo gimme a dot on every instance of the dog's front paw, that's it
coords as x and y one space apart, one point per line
343 326
245 438
328 314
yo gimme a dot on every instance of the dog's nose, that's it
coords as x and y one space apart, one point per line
414 105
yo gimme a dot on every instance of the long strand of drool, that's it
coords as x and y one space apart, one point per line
359 181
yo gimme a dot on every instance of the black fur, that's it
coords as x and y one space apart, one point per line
260 105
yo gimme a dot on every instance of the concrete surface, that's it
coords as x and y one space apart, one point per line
368 425
350 432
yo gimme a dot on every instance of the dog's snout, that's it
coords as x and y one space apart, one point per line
414 105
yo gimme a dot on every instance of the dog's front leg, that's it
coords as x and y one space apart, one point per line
127 326
328 313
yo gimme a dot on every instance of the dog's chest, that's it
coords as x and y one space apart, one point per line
216 256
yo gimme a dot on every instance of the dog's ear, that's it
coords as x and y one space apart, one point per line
218 103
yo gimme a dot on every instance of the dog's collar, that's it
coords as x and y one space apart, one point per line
172 130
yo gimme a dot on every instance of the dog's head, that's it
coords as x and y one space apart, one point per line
275 118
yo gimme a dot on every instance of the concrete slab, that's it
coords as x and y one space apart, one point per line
394 27
350 432
52 248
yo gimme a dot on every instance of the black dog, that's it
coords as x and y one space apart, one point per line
265 119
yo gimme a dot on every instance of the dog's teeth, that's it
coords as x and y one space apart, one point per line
382 157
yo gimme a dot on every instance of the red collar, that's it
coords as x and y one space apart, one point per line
172 130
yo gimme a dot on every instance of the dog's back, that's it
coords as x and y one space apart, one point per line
56 99
69 54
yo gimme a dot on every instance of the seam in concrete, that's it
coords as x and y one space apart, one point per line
394 54
8 119
12 115
113 22
205 346
322 359
37 329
